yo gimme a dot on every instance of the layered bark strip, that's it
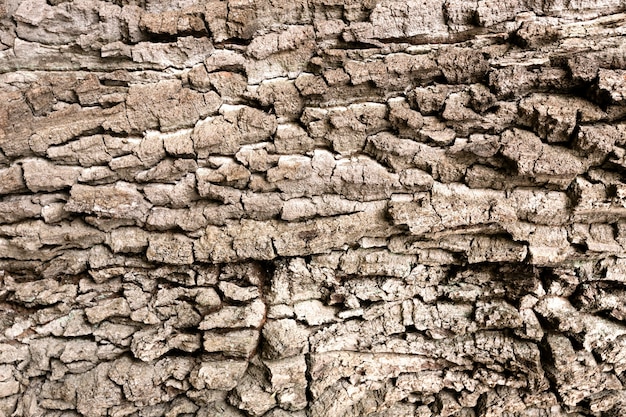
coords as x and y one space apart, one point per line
312 208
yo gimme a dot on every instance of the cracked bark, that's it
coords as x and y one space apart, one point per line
312 208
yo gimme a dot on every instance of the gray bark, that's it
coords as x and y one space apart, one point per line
312 208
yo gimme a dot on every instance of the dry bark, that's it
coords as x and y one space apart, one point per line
312 208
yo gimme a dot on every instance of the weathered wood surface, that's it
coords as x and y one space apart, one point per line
312 208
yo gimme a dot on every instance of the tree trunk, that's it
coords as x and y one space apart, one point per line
312 208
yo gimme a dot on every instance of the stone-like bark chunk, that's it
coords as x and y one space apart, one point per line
170 248
119 201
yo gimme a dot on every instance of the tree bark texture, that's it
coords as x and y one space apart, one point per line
312 208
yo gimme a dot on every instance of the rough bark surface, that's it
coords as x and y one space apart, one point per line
312 208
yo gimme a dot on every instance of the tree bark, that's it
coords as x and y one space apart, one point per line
312 208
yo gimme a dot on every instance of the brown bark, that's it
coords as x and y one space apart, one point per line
312 208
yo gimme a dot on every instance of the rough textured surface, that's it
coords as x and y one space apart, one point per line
312 208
